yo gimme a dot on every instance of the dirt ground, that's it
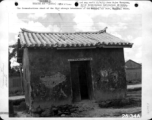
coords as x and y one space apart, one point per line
87 108
96 111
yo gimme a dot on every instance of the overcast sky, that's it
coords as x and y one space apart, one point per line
125 26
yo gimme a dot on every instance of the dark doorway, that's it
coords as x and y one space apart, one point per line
82 70
81 80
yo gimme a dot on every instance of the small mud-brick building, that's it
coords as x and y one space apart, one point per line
133 72
62 68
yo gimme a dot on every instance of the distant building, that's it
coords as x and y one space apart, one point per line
62 68
133 71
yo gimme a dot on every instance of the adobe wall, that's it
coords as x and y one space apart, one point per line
134 75
26 77
50 75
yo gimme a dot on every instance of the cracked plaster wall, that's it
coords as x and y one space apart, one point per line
50 74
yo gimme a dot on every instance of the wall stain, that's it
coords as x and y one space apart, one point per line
39 90
108 79
54 80
63 93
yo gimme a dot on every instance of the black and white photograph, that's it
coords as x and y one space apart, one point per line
75 59
75 65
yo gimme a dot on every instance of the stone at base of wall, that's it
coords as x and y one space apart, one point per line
116 103
56 111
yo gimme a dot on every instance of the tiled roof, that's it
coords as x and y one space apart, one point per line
77 39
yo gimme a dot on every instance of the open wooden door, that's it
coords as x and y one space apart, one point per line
89 80
75 82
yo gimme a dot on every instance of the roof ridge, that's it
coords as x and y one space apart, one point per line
133 61
100 31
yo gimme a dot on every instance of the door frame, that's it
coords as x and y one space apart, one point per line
90 92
